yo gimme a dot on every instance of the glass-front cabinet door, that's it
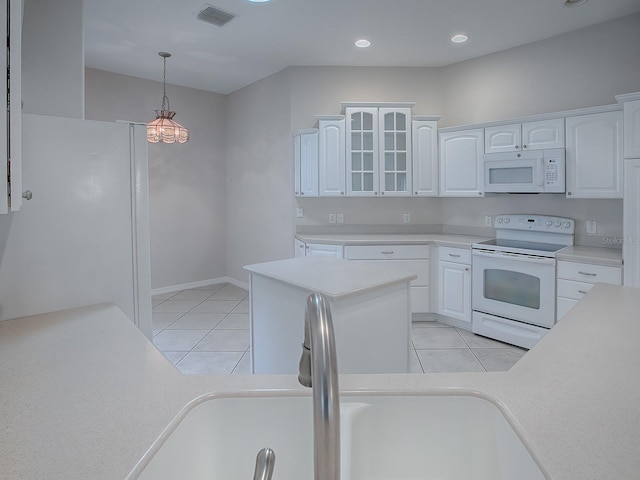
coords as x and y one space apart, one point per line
362 151
395 151
378 150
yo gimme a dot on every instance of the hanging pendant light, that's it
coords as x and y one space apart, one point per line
164 128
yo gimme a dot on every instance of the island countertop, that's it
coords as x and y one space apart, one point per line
84 394
335 277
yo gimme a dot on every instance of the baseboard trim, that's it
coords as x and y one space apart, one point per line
200 283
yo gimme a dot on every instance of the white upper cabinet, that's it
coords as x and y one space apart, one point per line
395 151
362 151
378 145
424 139
631 223
11 123
632 128
306 163
537 135
331 155
461 155
594 155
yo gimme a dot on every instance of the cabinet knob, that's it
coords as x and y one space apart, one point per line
27 195
301 193
524 146
381 193
341 193
416 193
516 147
569 194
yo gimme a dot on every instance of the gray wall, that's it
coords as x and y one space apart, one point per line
250 218
53 58
186 182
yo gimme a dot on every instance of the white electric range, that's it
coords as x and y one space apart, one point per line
514 278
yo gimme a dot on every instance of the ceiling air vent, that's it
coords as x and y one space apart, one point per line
215 16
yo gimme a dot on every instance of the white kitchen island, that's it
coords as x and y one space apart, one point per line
370 307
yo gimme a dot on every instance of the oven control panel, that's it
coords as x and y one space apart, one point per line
535 223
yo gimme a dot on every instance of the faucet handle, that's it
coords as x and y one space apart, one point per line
265 461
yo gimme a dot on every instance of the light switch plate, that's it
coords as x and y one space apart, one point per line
406 218
488 220
332 218
592 227
340 217
299 212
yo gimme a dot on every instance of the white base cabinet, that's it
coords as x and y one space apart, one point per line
413 259
575 279
454 285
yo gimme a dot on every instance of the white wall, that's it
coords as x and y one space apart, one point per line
583 68
53 58
259 174
186 181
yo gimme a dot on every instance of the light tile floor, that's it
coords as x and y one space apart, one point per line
206 330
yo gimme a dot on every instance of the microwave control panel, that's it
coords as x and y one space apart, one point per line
554 166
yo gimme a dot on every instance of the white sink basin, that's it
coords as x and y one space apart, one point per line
382 437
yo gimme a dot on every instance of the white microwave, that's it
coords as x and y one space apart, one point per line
540 171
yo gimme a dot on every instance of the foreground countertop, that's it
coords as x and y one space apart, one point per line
84 394
335 277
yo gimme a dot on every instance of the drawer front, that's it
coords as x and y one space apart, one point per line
385 252
455 255
586 272
573 289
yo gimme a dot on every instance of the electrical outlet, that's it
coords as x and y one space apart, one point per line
340 217
299 212
592 227
332 218
488 221
406 218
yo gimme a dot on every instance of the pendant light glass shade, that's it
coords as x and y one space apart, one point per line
164 129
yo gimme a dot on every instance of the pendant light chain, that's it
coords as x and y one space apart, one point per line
164 84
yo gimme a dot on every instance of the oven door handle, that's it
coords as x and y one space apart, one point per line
515 256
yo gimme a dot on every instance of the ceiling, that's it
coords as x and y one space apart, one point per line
125 36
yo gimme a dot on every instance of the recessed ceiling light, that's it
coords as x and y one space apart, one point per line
574 3
363 43
460 38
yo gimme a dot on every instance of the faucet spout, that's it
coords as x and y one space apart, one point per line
319 370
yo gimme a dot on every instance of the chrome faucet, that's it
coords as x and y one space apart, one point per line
319 370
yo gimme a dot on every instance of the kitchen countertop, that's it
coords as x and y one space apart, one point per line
335 277
445 239
84 394
596 255
574 253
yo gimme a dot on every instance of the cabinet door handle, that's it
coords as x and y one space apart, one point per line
588 274
387 253
582 292
454 255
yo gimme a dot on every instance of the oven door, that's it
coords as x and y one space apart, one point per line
518 287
